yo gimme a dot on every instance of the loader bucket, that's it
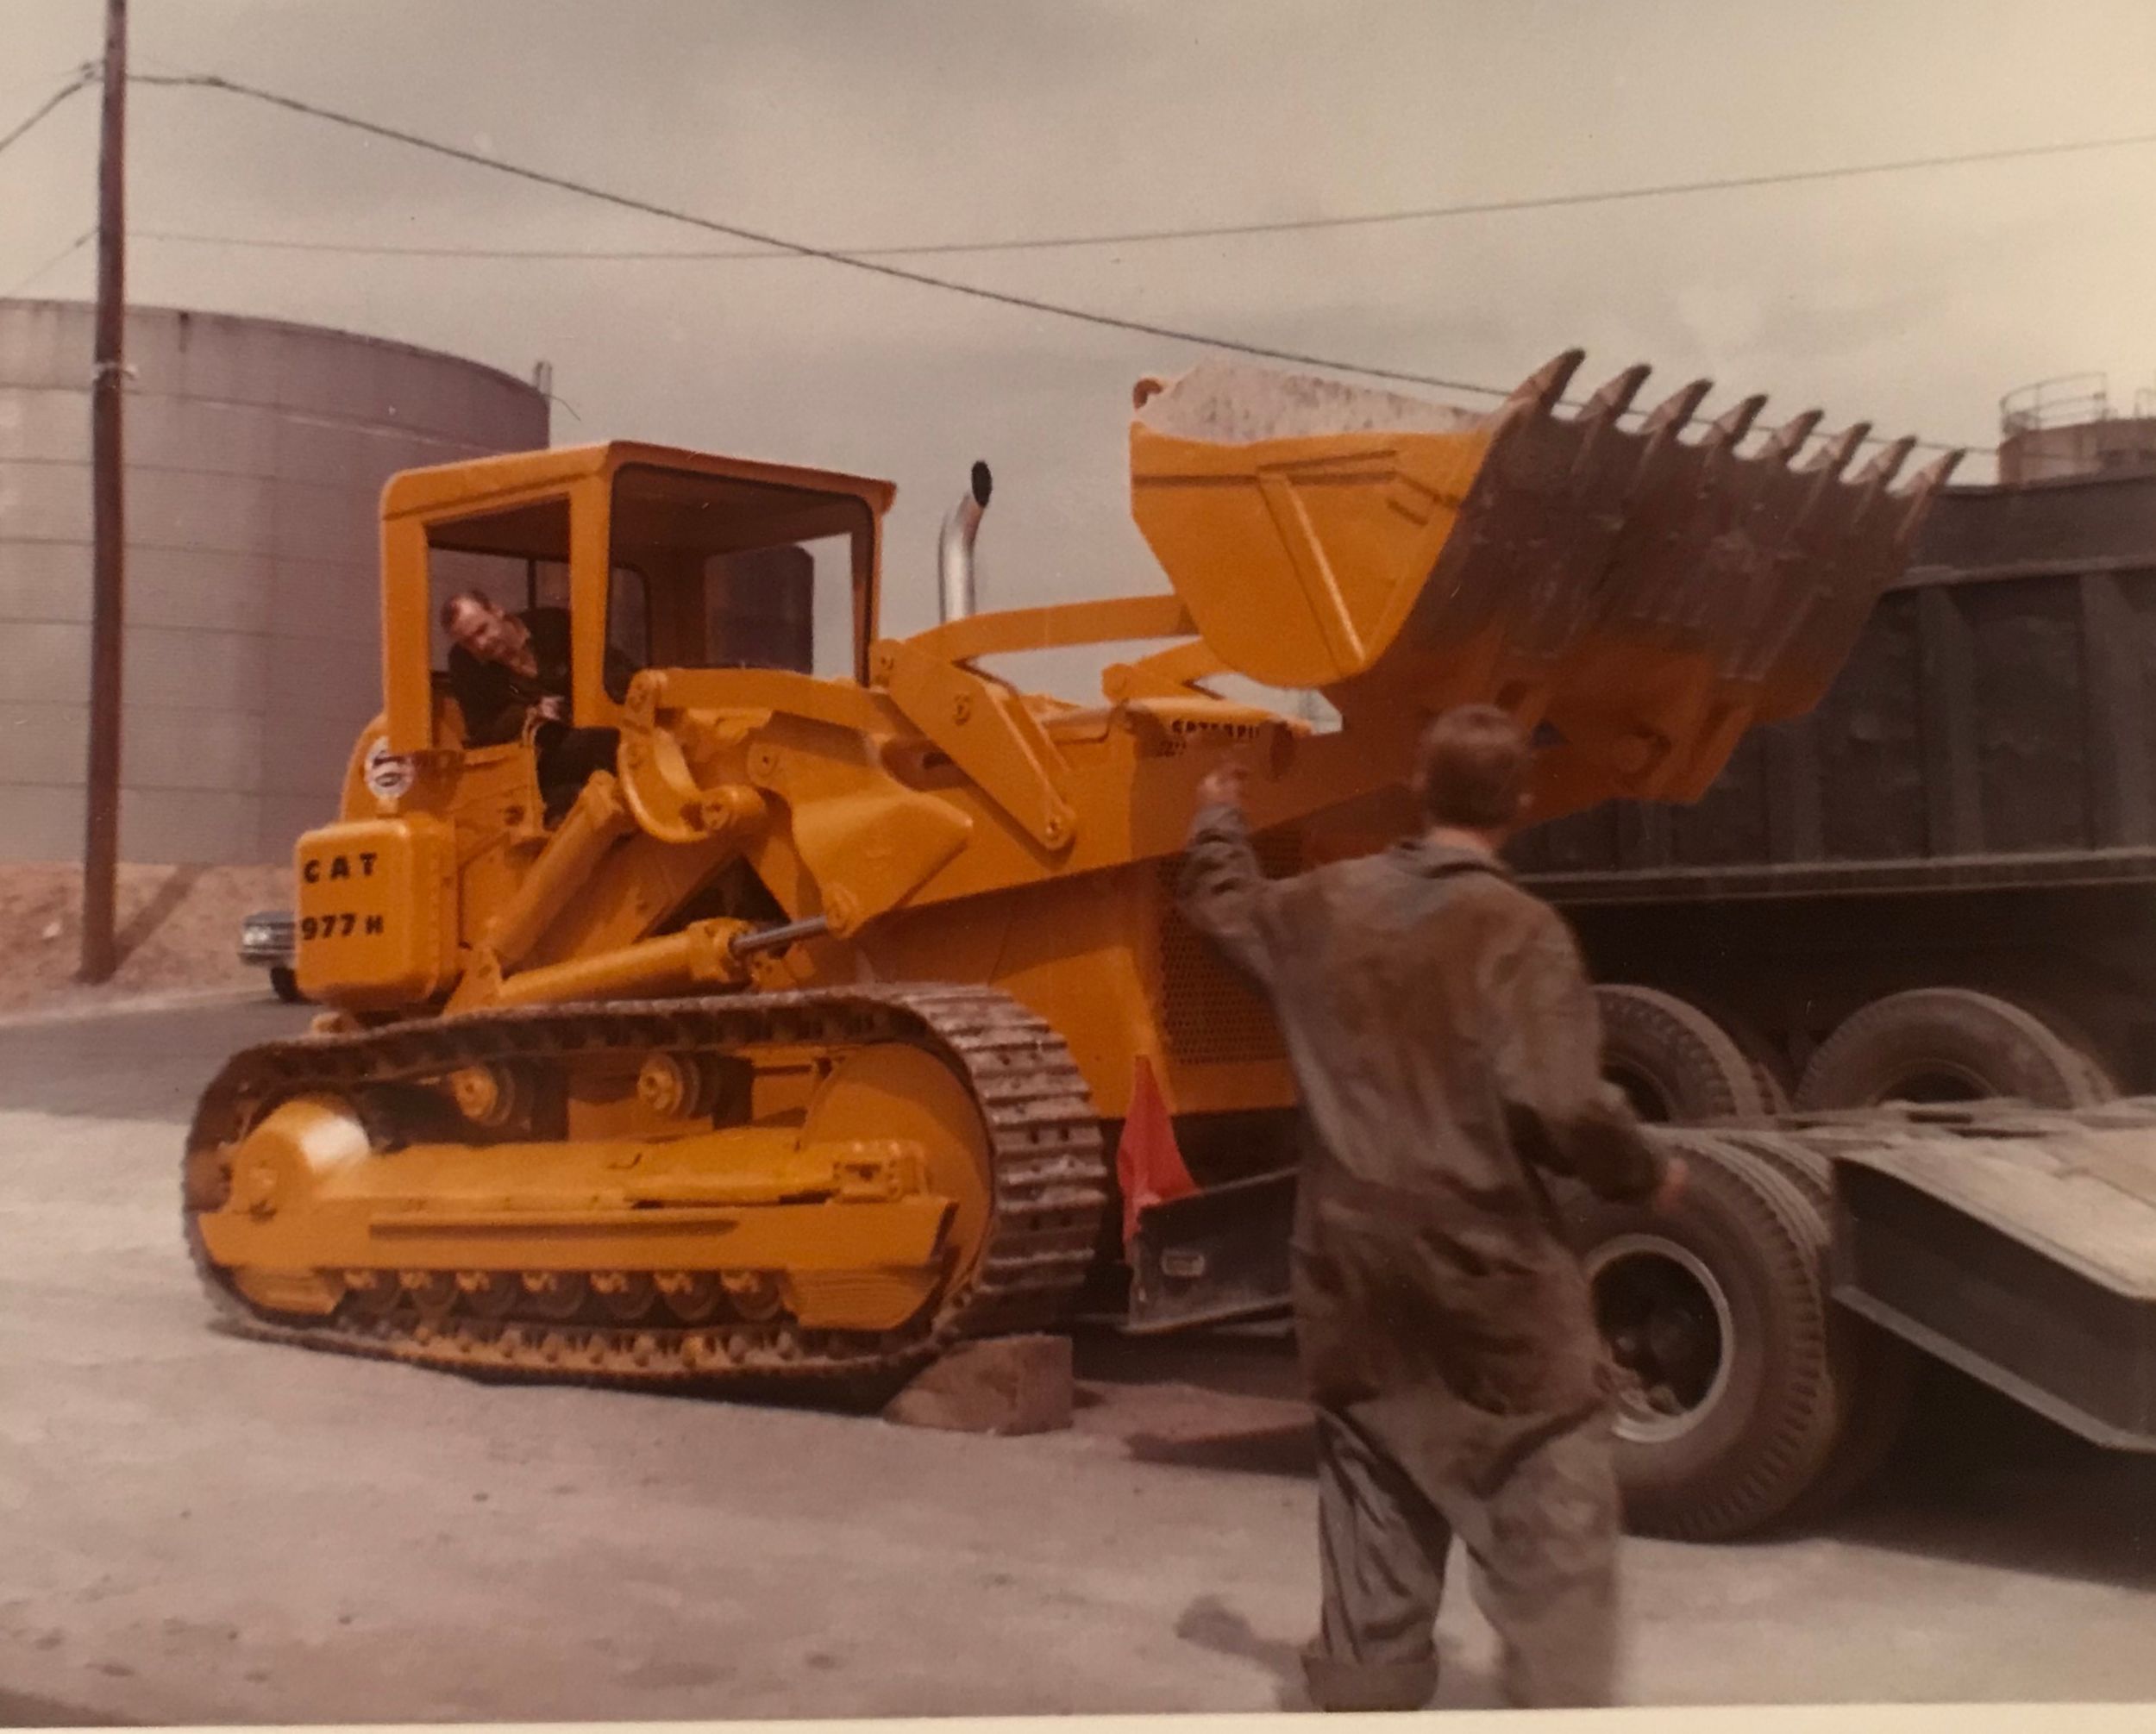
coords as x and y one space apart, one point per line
1647 595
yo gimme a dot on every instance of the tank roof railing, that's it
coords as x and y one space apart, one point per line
2064 401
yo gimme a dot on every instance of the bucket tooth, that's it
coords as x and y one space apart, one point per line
1615 395
1934 475
1833 457
1676 410
1596 430
1927 482
1734 423
1636 574
1875 476
1782 444
1541 391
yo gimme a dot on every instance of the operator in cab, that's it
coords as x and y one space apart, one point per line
509 676
1447 1050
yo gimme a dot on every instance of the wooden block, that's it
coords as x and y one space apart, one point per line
999 1385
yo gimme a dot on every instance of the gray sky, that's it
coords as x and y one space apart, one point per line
1912 301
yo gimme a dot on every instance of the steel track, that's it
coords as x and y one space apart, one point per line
1049 1180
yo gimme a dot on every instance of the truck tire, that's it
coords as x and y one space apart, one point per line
1770 1065
1875 1371
1674 1063
1719 1334
285 984
2102 1068
1943 1044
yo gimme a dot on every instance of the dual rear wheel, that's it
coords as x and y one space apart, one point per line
1954 1044
1681 1062
1746 1399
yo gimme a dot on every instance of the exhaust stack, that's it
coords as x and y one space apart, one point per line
954 548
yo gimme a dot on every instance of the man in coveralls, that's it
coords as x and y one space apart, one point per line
1446 1045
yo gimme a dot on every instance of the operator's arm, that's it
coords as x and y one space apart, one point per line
492 714
1561 1112
1222 890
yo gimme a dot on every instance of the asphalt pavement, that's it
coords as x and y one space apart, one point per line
198 1528
141 1065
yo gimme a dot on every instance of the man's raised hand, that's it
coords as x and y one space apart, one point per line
1224 785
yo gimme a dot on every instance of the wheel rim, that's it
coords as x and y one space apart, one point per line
1667 1322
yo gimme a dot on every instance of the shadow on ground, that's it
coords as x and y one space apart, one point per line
24 1710
1976 1477
1253 1362
1218 1400
157 911
1290 1451
1211 1624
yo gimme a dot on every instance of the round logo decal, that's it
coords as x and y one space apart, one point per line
389 775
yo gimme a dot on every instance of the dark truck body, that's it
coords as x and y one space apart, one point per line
1972 807
1973 804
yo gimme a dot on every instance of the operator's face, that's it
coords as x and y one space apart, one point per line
485 632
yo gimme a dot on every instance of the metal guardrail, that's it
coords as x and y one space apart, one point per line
2062 401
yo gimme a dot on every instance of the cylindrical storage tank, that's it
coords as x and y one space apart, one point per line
2081 449
256 456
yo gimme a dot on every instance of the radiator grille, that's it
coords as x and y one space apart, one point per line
1209 1012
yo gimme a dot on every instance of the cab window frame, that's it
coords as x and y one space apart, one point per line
807 514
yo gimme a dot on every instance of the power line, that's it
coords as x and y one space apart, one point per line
389 250
1217 231
66 252
855 261
84 77
739 232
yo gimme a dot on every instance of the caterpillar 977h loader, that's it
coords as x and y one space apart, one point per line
800 1047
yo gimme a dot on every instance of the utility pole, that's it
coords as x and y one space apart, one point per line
100 830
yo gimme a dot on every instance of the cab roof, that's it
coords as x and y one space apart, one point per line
472 482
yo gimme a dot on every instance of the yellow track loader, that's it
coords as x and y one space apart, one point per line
801 1046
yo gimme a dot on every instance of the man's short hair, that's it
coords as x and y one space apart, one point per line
1472 768
474 599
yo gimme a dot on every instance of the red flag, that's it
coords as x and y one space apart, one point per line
1147 1163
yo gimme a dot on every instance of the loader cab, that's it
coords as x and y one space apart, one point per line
660 559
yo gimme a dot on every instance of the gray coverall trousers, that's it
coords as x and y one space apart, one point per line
1542 1541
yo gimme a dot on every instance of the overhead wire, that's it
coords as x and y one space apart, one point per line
873 261
84 77
66 252
1219 231
741 232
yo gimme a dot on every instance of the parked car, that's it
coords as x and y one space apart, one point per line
266 940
